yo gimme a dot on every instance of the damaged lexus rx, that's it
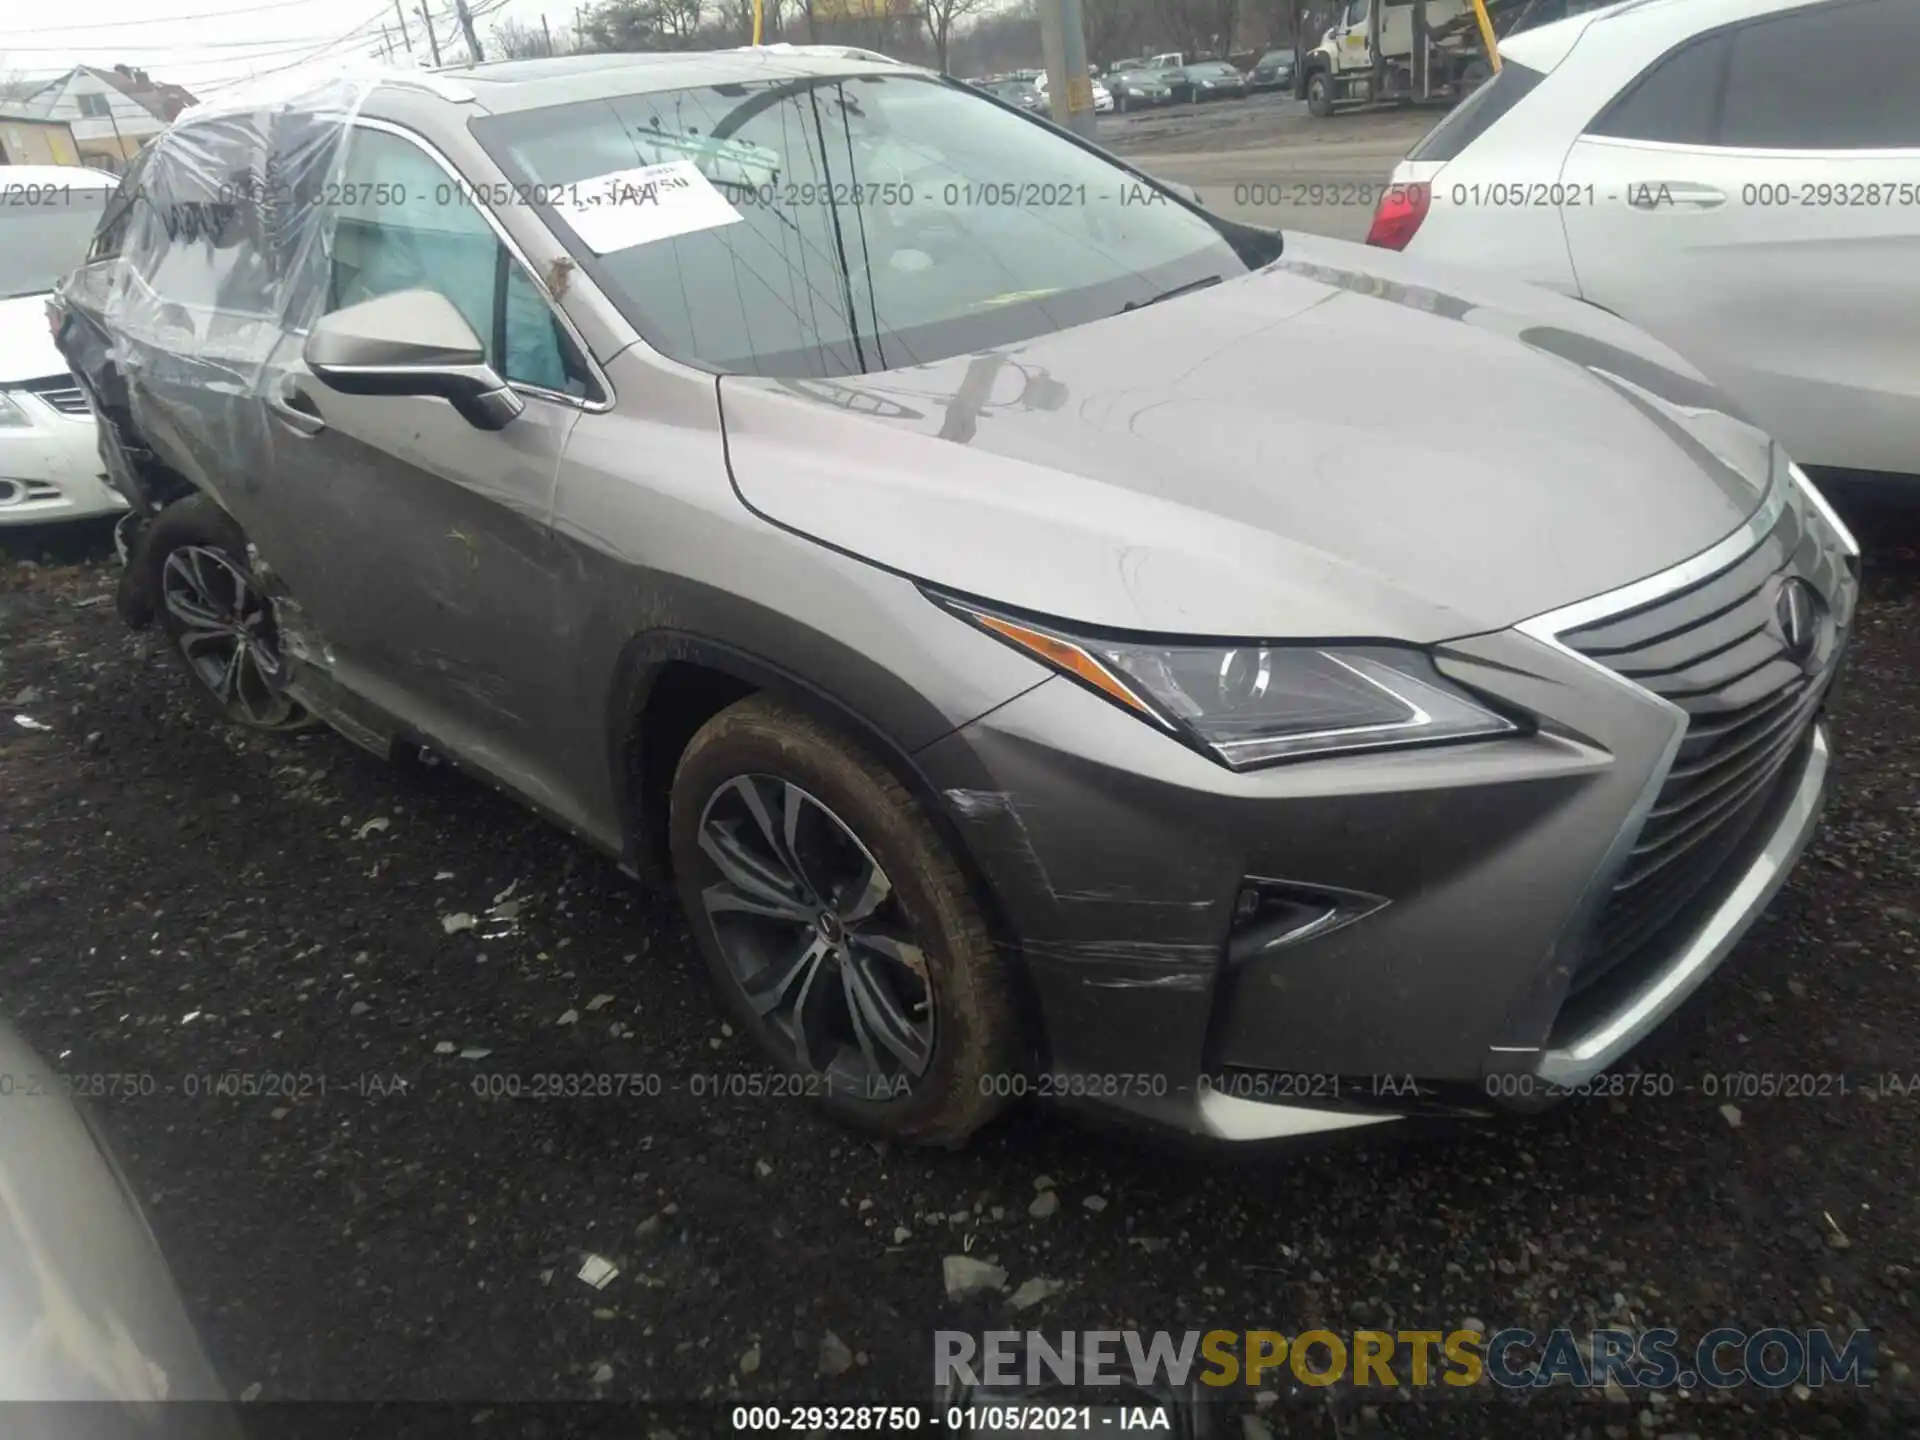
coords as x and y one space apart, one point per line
1053 638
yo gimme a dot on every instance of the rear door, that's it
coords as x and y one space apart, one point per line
418 544
1757 206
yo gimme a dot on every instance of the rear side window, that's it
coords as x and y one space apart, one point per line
1476 114
1677 100
118 219
1831 78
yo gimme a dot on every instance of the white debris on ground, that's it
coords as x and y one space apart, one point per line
597 1270
966 1276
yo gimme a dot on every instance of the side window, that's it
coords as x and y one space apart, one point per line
1476 114
401 224
1357 13
117 219
1676 100
1832 78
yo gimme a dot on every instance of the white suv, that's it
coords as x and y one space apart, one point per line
50 466
1739 177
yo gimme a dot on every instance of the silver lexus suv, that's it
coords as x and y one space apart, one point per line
1056 640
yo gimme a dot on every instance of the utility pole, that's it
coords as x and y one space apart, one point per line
401 16
466 27
1063 42
433 41
119 142
549 34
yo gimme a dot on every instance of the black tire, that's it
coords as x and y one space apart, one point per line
194 537
974 1026
1320 94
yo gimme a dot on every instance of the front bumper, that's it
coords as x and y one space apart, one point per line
1479 876
1577 1058
50 467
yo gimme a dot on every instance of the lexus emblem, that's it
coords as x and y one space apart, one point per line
1796 609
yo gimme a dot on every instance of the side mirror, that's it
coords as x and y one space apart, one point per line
413 342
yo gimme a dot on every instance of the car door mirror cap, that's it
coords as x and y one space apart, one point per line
413 342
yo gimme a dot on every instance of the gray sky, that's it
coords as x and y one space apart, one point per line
202 44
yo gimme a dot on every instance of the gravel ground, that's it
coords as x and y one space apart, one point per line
179 900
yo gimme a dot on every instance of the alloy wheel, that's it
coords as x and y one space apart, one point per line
815 937
227 634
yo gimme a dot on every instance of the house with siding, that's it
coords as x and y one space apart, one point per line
35 140
111 113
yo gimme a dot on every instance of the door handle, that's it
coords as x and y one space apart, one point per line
295 410
1674 194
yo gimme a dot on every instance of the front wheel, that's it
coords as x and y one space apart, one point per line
1320 94
215 614
837 927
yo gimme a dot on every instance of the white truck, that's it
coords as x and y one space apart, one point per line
1398 51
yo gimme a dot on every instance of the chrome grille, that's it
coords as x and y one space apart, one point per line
62 392
1716 649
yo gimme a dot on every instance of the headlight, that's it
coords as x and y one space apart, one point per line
1252 705
12 417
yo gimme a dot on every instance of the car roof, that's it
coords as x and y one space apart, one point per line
77 176
506 85
1547 46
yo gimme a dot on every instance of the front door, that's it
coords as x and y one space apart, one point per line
418 545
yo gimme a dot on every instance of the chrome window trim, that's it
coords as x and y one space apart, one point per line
1750 152
427 147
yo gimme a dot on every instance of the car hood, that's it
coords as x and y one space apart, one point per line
1349 443
26 349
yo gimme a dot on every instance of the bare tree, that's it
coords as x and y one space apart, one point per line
642 25
941 16
678 20
1109 24
733 19
515 40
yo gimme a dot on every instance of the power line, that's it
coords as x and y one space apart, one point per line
357 33
289 42
157 20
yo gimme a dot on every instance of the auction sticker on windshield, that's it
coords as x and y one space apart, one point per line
635 207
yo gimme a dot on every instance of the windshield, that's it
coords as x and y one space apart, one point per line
832 226
44 230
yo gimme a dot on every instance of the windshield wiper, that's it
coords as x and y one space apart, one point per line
1187 289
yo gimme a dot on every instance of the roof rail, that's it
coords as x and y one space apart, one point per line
355 80
836 52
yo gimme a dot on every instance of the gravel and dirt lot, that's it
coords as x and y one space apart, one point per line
377 949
